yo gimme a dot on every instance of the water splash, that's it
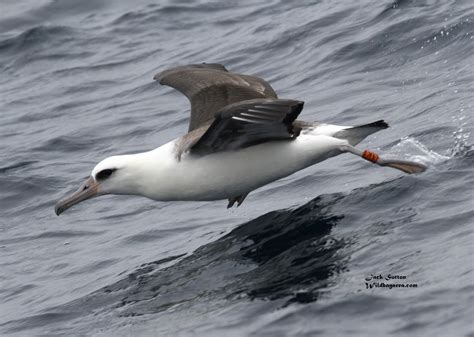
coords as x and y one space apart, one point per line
411 149
461 142
461 136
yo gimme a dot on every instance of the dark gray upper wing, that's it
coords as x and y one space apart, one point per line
210 87
249 123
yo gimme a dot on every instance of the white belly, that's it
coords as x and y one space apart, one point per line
223 175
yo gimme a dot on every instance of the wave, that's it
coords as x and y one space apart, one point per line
37 36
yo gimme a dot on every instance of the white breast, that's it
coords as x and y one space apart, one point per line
228 174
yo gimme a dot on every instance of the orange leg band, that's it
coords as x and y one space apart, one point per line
370 156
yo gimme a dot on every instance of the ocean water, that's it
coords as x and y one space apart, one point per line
302 255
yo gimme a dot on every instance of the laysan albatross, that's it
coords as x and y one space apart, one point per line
241 136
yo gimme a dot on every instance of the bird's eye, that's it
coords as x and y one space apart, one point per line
104 174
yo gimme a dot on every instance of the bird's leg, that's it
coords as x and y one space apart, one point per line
231 203
239 200
402 165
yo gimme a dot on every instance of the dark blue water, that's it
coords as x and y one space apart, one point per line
76 86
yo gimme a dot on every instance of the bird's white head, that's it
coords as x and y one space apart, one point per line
113 175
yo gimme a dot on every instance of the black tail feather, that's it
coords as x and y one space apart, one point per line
357 133
377 124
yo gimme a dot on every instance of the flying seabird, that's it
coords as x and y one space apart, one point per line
241 136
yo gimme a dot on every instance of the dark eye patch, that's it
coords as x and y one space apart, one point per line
104 174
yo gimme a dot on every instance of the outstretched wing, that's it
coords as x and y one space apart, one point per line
211 87
249 123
